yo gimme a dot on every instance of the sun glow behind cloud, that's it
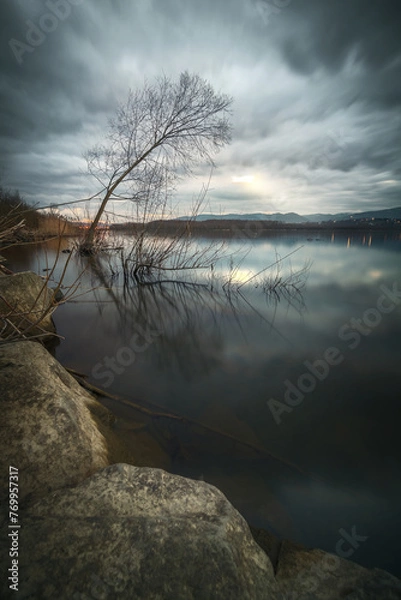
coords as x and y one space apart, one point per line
243 179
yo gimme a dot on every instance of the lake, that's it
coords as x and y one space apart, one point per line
291 401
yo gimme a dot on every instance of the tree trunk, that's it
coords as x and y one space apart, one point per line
90 236
87 247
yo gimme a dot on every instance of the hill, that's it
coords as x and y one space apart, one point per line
291 217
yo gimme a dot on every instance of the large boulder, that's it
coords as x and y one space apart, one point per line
27 302
304 574
50 434
130 532
307 574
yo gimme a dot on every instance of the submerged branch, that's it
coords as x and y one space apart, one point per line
156 413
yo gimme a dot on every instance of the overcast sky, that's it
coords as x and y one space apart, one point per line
316 87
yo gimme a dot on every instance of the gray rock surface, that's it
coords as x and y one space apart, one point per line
304 574
49 433
24 298
130 532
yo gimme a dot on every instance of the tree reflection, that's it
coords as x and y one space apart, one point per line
191 313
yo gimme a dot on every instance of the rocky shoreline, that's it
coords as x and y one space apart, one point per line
90 524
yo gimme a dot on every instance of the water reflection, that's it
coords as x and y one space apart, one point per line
218 360
191 316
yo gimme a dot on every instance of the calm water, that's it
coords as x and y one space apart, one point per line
330 456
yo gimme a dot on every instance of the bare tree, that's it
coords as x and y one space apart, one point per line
156 137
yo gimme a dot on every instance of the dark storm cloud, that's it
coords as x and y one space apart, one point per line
316 87
315 34
46 90
329 31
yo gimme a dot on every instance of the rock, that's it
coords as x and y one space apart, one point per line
304 574
130 532
270 544
57 294
24 298
51 436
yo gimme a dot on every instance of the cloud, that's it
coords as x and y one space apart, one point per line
316 88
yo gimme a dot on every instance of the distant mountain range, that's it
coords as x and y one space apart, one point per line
291 217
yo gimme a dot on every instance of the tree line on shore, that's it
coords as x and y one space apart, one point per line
20 221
